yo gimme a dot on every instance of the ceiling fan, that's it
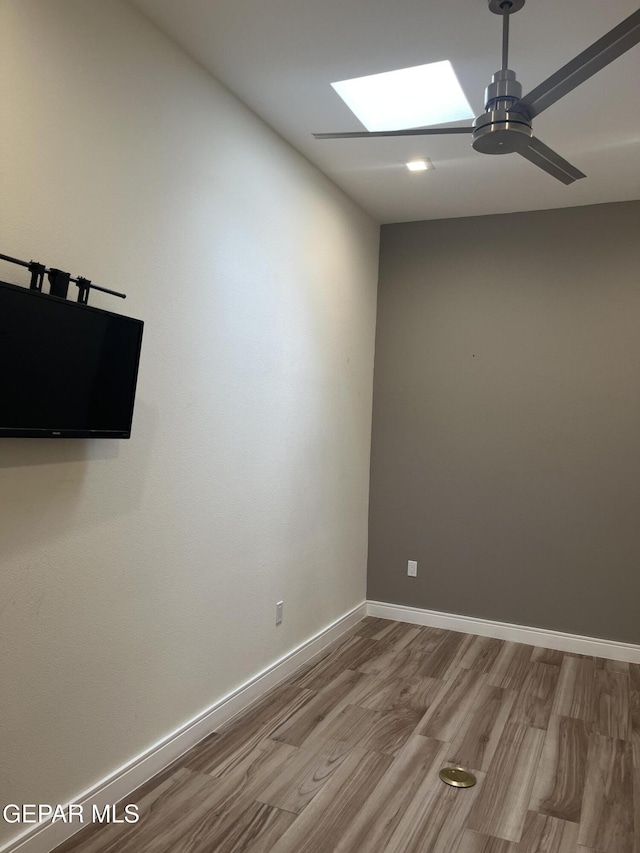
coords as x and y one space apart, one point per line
505 126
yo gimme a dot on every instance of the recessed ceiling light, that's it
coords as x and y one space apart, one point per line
411 97
419 165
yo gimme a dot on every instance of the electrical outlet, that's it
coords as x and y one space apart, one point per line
279 606
412 568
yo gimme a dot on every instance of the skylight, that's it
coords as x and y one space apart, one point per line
411 97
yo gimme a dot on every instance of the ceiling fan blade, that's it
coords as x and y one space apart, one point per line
585 65
546 158
412 131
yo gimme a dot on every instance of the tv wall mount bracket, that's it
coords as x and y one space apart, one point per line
59 280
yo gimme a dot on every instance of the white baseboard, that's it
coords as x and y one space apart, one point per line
544 637
44 837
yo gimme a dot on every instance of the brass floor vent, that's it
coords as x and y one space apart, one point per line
457 777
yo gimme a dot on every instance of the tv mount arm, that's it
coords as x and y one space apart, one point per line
59 280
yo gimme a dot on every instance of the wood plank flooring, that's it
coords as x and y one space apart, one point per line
344 757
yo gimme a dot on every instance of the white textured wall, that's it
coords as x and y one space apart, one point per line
139 579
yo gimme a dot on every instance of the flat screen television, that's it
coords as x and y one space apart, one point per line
67 370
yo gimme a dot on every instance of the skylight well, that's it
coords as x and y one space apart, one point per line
410 97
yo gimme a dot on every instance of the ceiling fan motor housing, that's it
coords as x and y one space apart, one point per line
501 130
503 91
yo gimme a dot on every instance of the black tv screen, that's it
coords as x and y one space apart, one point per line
67 370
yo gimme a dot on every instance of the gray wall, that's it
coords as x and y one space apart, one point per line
506 427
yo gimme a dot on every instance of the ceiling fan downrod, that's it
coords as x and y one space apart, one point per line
505 8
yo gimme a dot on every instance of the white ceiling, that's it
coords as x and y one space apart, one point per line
279 57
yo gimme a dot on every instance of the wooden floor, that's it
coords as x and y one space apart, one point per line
345 757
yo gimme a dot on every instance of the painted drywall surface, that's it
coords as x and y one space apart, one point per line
139 579
506 419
